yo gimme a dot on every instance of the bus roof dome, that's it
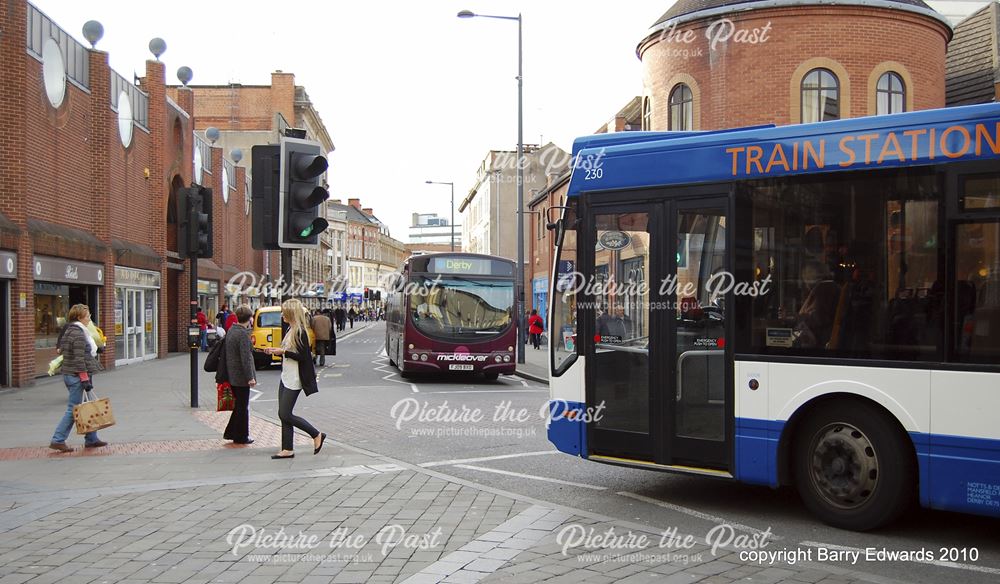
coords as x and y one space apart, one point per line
692 9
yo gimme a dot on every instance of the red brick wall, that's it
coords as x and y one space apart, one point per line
743 84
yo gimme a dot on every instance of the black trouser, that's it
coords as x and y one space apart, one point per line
536 338
321 345
238 428
286 401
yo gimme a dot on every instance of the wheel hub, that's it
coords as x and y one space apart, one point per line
844 466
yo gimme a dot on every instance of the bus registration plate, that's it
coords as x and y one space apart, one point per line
455 367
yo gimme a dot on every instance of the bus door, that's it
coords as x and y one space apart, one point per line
658 369
620 268
699 413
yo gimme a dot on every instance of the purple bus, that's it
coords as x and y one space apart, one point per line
452 312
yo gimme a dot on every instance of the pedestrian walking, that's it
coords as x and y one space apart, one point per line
238 353
79 353
340 316
203 327
536 326
351 315
222 316
321 326
297 375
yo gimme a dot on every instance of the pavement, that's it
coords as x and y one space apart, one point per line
536 364
170 501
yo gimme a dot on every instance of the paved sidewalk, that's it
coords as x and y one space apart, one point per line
170 501
536 364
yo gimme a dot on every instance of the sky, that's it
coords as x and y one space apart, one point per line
408 91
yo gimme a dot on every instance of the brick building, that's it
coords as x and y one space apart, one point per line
246 115
88 182
710 64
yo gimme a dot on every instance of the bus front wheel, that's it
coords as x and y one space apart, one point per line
853 468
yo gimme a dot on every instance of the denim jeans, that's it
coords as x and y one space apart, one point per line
204 340
66 424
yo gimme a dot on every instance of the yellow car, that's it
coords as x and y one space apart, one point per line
266 333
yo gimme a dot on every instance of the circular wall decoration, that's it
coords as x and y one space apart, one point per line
124 119
197 164
225 184
53 72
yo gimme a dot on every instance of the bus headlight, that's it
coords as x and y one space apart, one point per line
510 349
506 358
415 357
498 358
411 346
423 357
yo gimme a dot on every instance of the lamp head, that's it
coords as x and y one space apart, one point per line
466 14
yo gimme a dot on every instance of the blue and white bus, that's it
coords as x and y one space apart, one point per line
813 305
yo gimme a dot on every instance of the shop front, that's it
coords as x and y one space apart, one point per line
136 315
540 294
59 284
8 271
208 298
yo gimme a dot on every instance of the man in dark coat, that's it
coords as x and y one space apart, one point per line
238 353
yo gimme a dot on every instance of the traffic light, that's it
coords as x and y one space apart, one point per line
200 238
266 161
194 227
301 211
366 293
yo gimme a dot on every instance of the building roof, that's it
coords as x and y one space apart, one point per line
685 7
972 66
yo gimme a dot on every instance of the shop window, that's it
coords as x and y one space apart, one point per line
820 96
980 192
890 94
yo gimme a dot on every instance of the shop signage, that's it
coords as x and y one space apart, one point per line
132 278
8 264
208 287
68 271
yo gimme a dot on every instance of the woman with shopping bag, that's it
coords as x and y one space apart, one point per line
79 352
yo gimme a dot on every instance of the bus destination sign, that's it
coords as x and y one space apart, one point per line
467 266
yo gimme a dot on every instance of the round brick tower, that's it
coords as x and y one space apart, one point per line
710 64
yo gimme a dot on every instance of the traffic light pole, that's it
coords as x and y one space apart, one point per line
194 321
286 273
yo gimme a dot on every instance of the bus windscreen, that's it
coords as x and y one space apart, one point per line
462 309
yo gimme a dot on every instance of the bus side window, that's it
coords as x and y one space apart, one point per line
852 265
977 292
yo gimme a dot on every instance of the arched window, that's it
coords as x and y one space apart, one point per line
647 114
681 108
890 94
820 96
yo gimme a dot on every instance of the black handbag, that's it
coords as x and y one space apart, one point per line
214 356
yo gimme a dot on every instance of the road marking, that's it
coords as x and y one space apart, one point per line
527 476
940 563
256 394
698 514
325 375
383 364
484 458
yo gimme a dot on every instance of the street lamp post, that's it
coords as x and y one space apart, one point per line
452 185
519 275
